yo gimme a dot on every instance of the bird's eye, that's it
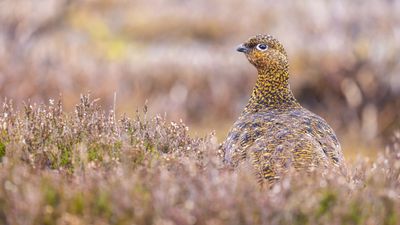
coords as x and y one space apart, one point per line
262 47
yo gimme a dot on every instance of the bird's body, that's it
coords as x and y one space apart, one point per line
274 130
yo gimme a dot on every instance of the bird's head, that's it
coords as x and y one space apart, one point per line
264 52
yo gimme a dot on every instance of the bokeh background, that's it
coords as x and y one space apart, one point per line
179 56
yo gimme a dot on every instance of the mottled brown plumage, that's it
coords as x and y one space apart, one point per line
274 131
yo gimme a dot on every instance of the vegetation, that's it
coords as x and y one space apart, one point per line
182 58
88 167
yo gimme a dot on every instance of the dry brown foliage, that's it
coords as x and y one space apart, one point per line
87 167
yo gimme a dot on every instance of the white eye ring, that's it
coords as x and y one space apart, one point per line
262 47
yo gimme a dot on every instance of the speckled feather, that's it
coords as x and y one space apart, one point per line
274 131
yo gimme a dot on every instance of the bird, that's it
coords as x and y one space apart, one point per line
274 131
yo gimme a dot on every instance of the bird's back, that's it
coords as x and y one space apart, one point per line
276 139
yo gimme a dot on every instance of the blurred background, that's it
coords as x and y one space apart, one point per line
180 56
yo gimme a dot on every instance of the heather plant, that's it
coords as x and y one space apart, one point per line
89 167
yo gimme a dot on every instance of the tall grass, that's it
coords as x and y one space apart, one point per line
88 167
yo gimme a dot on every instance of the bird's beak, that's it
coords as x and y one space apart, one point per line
242 48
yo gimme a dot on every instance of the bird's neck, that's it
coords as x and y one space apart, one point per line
272 91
